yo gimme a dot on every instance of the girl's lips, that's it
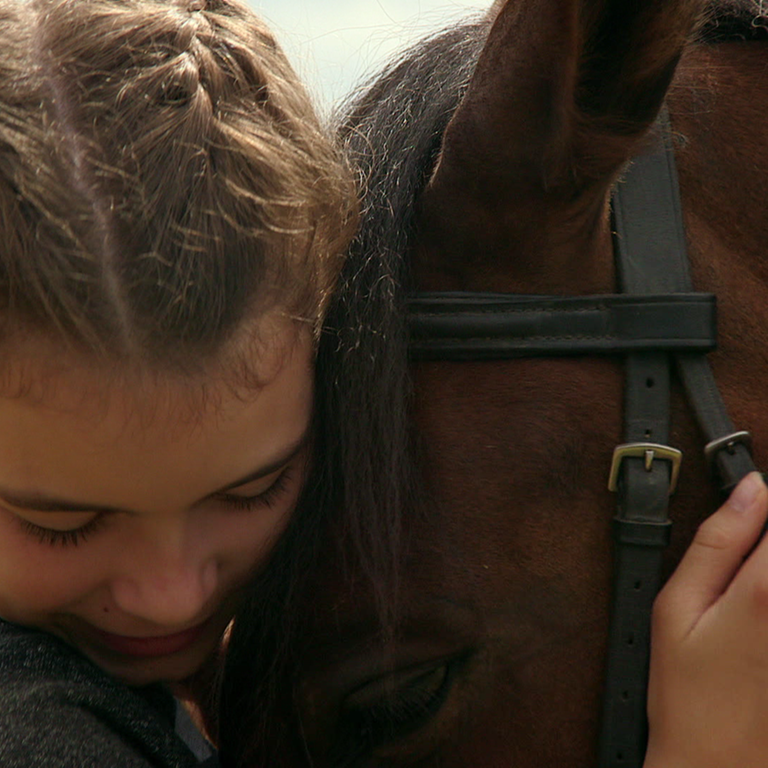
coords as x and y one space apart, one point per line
145 647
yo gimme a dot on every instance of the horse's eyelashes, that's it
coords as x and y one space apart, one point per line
394 702
392 707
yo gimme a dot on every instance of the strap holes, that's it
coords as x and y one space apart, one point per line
638 586
630 639
625 695
619 757
650 383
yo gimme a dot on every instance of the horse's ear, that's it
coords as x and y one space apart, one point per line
562 92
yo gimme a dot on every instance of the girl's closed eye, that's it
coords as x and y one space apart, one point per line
70 528
62 528
265 492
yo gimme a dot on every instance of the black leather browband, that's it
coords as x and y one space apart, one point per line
482 326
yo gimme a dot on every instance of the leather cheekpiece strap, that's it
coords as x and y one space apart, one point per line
642 533
649 246
651 258
648 213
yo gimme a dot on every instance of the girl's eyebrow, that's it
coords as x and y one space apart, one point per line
41 503
267 470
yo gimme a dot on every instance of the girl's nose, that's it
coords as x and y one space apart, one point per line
170 589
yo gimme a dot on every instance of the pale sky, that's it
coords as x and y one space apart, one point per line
333 43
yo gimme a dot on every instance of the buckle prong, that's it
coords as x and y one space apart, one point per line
650 452
649 460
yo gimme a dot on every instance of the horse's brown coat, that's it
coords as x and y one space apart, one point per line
509 567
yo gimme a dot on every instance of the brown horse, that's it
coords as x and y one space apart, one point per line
490 155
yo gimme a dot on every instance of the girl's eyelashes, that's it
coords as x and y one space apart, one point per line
266 498
72 537
65 538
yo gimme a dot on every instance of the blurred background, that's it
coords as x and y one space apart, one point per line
335 43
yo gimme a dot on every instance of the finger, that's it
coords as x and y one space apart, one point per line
715 555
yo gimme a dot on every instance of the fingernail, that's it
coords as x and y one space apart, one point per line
746 492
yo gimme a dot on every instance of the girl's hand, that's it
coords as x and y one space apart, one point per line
708 690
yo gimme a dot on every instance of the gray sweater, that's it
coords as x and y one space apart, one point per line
58 710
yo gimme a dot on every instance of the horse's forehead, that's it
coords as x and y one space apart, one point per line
536 415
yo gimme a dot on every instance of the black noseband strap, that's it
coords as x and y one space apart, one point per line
486 326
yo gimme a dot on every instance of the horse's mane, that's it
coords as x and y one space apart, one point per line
362 476
735 20
391 133
362 434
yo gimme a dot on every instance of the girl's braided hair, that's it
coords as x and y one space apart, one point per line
163 177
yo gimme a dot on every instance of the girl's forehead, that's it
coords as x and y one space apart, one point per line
42 374
158 432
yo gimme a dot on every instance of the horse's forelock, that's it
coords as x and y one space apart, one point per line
391 132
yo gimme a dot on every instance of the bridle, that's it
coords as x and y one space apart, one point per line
655 322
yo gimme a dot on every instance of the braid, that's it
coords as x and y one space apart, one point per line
195 79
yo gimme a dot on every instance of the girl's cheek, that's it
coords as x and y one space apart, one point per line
37 578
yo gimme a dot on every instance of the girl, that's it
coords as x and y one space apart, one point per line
171 219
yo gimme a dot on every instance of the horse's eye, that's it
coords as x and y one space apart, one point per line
392 707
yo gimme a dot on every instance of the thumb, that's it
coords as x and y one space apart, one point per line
715 555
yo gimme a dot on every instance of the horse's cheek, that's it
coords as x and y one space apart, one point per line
525 548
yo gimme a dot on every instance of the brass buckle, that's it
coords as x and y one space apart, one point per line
650 452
